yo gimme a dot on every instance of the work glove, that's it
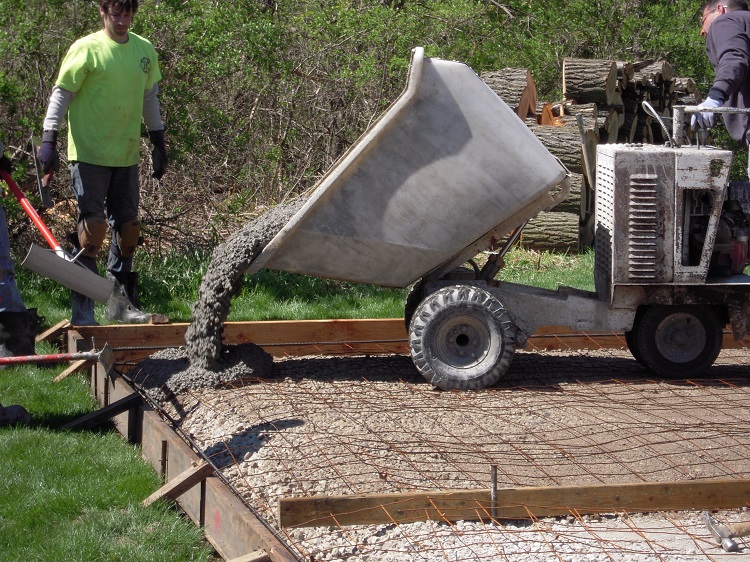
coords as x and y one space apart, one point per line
704 119
5 164
47 153
159 158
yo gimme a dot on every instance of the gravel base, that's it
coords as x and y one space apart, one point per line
372 425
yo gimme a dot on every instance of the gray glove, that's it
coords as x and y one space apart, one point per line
159 158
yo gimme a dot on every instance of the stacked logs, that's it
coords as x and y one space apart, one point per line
602 104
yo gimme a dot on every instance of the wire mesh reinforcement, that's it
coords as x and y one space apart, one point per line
371 425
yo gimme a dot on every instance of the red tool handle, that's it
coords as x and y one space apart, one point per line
33 215
51 358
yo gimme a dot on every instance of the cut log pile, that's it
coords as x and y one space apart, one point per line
603 103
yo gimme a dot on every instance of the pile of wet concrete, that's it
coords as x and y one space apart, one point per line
206 361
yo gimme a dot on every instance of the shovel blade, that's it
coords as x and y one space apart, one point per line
69 274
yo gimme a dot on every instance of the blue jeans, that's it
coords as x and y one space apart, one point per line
10 298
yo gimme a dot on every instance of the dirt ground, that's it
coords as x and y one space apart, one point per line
343 425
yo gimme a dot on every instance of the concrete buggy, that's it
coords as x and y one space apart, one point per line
449 171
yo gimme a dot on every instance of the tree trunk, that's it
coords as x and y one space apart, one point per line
516 87
586 109
552 231
659 71
612 124
625 73
684 86
590 80
563 142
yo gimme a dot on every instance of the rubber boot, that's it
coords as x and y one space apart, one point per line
124 304
18 332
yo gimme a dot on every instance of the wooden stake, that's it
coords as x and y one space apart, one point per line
181 483
53 333
108 412
74 368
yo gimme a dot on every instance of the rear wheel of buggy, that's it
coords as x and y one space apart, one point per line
679 341
631 339
415 296
461 337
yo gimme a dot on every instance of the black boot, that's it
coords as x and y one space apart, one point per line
18 332
124 304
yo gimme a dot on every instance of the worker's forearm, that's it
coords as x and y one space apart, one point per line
151 112
59 101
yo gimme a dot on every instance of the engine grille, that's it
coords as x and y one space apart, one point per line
642 228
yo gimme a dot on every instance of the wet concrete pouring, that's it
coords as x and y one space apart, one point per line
353 425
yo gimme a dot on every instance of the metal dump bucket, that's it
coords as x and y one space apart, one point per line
447 170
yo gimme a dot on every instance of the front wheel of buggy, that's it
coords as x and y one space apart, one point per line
462 338
679 341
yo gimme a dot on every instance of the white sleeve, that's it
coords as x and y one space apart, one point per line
59 101
151 112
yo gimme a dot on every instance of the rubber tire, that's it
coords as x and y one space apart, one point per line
415 296
632 341
679 341
462 338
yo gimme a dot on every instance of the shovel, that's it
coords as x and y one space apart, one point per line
56 264
43 182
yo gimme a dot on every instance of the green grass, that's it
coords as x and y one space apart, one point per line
169 285
76 495
548 270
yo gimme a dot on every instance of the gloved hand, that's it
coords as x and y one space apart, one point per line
159 158
705 119
5 164
47 153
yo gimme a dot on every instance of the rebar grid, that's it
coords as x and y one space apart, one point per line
371 425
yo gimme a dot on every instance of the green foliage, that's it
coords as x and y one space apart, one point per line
260 98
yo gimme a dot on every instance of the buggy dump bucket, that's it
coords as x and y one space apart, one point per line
442 175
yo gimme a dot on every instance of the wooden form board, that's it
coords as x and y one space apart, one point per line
131 343
513 503
229 525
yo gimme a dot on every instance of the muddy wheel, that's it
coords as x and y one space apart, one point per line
679 341
461 337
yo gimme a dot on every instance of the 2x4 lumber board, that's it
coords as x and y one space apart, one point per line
132 343
181 483
257 556
53 333
93 419
264 333
74 368
514 503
